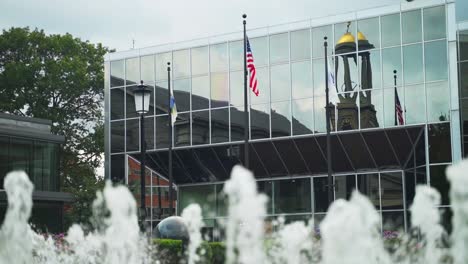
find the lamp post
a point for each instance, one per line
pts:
(142, 101)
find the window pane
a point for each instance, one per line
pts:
(300, 44)
(320, 194)
(344, 186)
(220, 125)
(199, 60)
(341, 29)
(132, 71)
(413, 64)
(440, 182)
(415, 104)
(391, 61)
(343, 64)
(368, 184)
(463, 75)
(263, 86)
(369, 28)
(439, 143)
(319, 114)
(147, 69)
(236, 55)
(438, 101)
(436, 60)
(117, 73)
(390, 30)
(21, 155)
(434, 23)
(203, 195)
(236, 88)
(317, 41)
(149, 132)
(280, 119)
(130, 102)
(133, 134)
(303, 116)
(161, 97)
(219, 90)
(260, 121)
(161, 65)
(117, 103)
(117, 136)
(200, 127)
(371, 108)
(181, 64)
(411, 25)
(389, 105)
(463, 45)
(393, 221)
(259, 48)
(200, 92)
(279, 48)
(182, 130)
(301, 80)
(4, 158)
(162, 130)
(292, 196)
(219, 57)
(319, 76)
(266, 188)
(280, 83)
(392, 190)
(370, 78)
(182, 94)
(237, 123)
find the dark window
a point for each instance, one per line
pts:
(4, 158)
(292, 196)
(320, 194)
(118, 168)
(266, 187)
(393, 221)
(280, 119)
(368, 184)
(182, 130)
(162, 131)
(21, 151)
(237, 123)
(391, 190)
(117, 136)
(220, 125)
(344, 186)
(117, 103)
(45, 166)
(133, 134)
(439, 143)
(439, 181)
(200, 127)
(260, 121)
(149, 132)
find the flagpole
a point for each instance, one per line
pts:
(169, 135)
(246, 113)
(327, 116)
(395, 97)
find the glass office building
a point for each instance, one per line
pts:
(27, 144)
(416, 50)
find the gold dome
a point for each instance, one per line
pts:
(346, 38)
(361, 36)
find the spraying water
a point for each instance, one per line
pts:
(349, 233)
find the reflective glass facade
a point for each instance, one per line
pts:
(289, 113)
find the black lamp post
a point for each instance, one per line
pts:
(142, 101)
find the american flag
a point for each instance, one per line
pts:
(252, 70)
(398, 110)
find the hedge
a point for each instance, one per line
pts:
(172, 251)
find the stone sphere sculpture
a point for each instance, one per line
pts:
(172, 227)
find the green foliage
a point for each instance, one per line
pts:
(171, 251)
(60, 78)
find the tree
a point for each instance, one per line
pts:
(60, 78)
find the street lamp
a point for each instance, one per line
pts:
(142, 101)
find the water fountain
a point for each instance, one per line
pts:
(349, 232)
